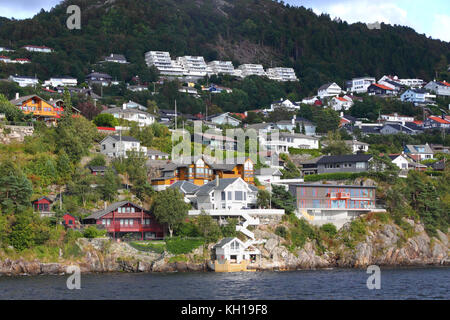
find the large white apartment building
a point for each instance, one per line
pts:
(282, 74)
(225, 67)
(162, 61)
(194, 66)
(61, 82)
(252, 70)
(24, 81)
(359, 85)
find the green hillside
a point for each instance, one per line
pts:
(243, 31)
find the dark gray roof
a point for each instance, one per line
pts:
(124, 138)
(325, 86)
(156, 152)
(223, 242)
(268, 171)
(98, 168)
(111, 207)
(223, 183)
(297, 135)
(185, 186)
(258, 126)
(345, 158)
(25, 98)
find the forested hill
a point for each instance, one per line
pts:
(243, 31)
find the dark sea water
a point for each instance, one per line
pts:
(404, 283)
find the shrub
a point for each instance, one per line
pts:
(281, 231)
(330, 229)
(92, 232)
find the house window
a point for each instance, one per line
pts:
(230, 195)
(238, 195)
(223, 195)
(360, 165)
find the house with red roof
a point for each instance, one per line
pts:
(5, 59)
(440, 88)
(380, 90)
(341, 103)
(437, 122)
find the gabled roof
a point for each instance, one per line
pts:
(186, 187)
(212, 185)
(151, 151)
(439, 120)
(44, 197)
(21, 100)
(382, 86)
(122, 138)
(326, 86)
(414, 148)
(345, 158)
(112, 207)
(225, 241)
(268, 172)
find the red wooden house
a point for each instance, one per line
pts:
(125, 218)
(70, 221)
(42, 206)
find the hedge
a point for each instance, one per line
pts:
(335, 176)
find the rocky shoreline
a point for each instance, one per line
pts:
(380, 247)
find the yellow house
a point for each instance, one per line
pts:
(41, 109)
(199, 171)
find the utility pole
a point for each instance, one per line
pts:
(176, 118)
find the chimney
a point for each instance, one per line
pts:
(217, 180)
(105, 205)
(17, 95)
(124, 106)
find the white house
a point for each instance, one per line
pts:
(282, 74)
(341, 103)
(357, 146)
(299, 141)
(118, 146)
(116, 58)
(141, 117)
(284, 103)
(329, 90)
(21, 61)
(225, 194)
(43, 49)
(61, 82)
(310, 100)
(4, 49)
(400, 161)
(24, 81)
(5, 59)
(233, 250)
(417, 96)
(419, 152)
(224, 118)
(359, 85)
(154, 154)
(440, 88)
(395, 117)
(268, 175)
